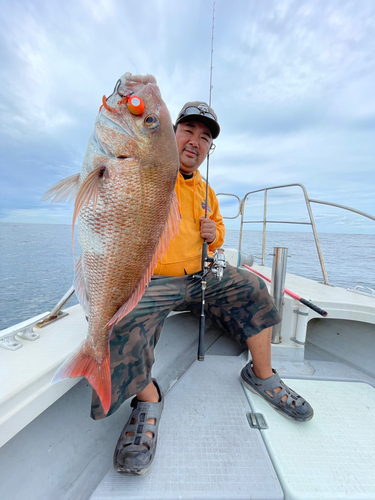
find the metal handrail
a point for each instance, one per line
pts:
(308, 201)
(239, 203)
(56, 311)
(311, 216)
(364, 214)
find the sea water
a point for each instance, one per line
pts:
(36, 263)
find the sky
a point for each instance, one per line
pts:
(293, 88)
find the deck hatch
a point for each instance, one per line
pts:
(331, 456)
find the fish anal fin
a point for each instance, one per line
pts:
(97, 373)
(63, 190)
(170, 230)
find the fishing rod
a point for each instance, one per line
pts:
(217, 263)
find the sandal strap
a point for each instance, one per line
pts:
(275, 382)
(137, 440)
(145, 410)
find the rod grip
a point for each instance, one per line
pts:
(313, 307)
(204, 254)
(202, 326)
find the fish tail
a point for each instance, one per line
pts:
(97, 373)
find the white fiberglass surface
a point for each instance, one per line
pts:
(330, 457)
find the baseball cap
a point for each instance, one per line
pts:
(200, 112)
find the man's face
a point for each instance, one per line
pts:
(193, 143)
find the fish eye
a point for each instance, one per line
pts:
(151, 121)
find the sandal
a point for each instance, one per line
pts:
(295, 407)
(135, 452)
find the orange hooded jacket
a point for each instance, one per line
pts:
(184, 255)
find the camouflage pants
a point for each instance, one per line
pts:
(239, 303)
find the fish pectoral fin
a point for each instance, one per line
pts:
(89, 190)
(80, 286)
(97, 373)
(61, 191)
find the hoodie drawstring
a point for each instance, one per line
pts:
(194, 212)
(178, 192)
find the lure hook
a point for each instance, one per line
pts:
(134, 103)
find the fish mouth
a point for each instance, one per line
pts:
(147, 89)
(129, 79)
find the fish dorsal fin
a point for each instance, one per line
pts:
(65, 189)
(80, 287)
(170, 230)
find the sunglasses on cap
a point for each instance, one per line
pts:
(192, 110)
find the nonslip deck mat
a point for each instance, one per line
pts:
(206, 448)
(332, 456)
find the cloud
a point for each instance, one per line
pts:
(292, 86)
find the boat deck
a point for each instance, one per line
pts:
(205, 438)
(206, 449)
(64, 454)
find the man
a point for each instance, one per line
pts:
(239, 302)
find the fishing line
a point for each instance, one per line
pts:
(212, 148)
(136, 69)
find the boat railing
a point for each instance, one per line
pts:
(25, 330)
(265, 221)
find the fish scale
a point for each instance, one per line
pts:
(127, 212)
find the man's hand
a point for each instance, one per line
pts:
(208, 229)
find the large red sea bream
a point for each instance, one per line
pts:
(127, 212)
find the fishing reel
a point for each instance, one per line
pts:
(218, 264)
(215, 264)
